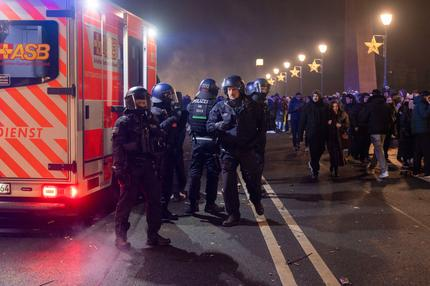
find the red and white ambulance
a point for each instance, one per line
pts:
(64, 68)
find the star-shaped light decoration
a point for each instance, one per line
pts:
(271, 81)
(373, 46)
(295, 72)
(314, 66)
(281, 76)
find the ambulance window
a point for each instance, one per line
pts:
(135, 62)
(28, 52)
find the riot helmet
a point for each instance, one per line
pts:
(208, 89)
(234, 81)
(262, 86)
(249, 89)
(164, 96)
(137, 98)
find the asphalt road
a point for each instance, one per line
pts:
(355, 227)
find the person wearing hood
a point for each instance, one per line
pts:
(421, 131)
(138, 145)
(377, 116)
(314, 121)
(239, 125)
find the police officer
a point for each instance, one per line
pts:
(138, 145)
(166, 108)
(205, 149)
(258, 91)
(238, 122)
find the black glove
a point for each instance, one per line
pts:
(121, 175)
(168, 122)
(221, 126)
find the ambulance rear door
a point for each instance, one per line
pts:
(36, 91)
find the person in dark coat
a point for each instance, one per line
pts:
(179, 171)
(404, 129)
(337, 137)
(391, 130)
(360, 135)
(314, 121)
(421, 131)
(377, 115)
(294, 109)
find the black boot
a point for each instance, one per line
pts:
(259, 209)
(157, 239)
(213, 208)
(232, 220)
(121, 243)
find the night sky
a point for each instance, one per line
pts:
(203, 38)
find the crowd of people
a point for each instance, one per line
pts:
(228, 131)
(348, 124)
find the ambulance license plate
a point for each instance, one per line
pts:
(5, 189)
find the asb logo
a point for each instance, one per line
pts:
(27, 52)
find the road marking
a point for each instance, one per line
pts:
(281, 265)
(325, 273)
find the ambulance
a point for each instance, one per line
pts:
(64, 68)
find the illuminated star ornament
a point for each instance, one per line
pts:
(281, 77)
(373, 46)
(295, 72)
(314, 66)
(271, 81)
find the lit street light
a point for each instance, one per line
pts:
(287, 65)
(259, 63)
(268, 76)
(276, 71)
(323, 49)
(301, 58)
(386, 19)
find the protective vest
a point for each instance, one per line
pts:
(199, 112)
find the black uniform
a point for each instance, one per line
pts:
(138, 146)
(204, 153)
(240, 127)
(170, 124)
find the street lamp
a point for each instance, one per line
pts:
(386, 19)
(268, 76)
(323, 49)
(287, 65)
(301, 58)
(259, 62)
(276, 71)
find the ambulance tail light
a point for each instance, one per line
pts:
(61, 191)
(73, 192)
(50, 191)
